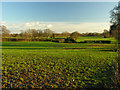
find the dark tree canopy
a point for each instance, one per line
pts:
(115, 15)
(115, 20)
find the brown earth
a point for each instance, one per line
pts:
(14, 44)
(97, 45)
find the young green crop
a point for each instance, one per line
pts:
(53, 65)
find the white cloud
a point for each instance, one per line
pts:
(81, 27)
(49, 26)
(3, 23)
(37, 23)
(59, 27)
(27, 24)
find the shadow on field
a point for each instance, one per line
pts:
(109, 50)
(48, 48)
(104, 78)
(72, 48)
(27, 48)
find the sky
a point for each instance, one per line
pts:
(57, 16)
(59, 0)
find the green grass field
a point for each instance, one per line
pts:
(96, 39)
(55, 65)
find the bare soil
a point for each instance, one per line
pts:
(97, 45)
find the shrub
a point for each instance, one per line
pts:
(70, 40)
(74, 35)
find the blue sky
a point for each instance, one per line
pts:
(56, 14)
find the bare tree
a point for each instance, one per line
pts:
(39, 33)
(48, 32)
(5, 31)
(106, 34)
(65, 34)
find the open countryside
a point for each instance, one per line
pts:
(50, 64)
(37, 58)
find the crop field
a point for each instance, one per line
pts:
(56, 65)
(96, 39)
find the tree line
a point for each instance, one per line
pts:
(115, 21)
(115, 32)
(33, 33)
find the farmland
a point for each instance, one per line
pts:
(57, 65)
